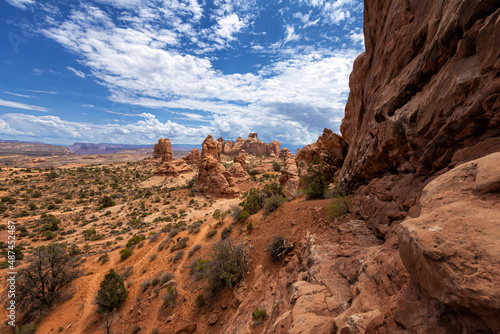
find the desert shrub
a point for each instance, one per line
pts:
(252, 203)
(166, 277)
(226, 232)
(26, 329)
(211, 233)
(244, 216)
(170, 297)
(200, 300)
(277, 247)
(125, 253)
(315, 181)
(259, 314)
(174, 232)
(49, 235)
(236, 212)
(39, 284)
(17, 250)
(112, 293)
(195, 227)
(103, 258)
(106, 202)
(194, 249)
(136, 329)
(153, 257)
(145, 285)
(182, 243)
(198, 267)
(339, 207)
(226, 265)
(272, 203)
(178, 256)
(135, 240)
(249, 226)
(220, 215)
(154, 238)
(87, 234)
(277, 166)
(162, 244)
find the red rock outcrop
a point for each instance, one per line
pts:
(451, 250)
(173, 168)
(424, 97)
(285, 154)
(289, 177)
(426, 87)
(329, 148)
(239, 169)
(251, 145)
(212, 175)
(163, 150)
(193, 157)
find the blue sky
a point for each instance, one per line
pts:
(132, 71)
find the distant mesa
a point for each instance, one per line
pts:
(169, 166)
(103, 148)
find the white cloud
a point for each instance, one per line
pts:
(76, 72)
(228, 26)
(21, 4)
(40, 91)
(18, 105)
(20, 95)
(145, 131)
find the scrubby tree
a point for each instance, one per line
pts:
(50, 269)
(112, 293)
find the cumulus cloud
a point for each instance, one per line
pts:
(139, 53)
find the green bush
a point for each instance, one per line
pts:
(125, 254)
(182, 243)
(170, 297)
(112, 293)
(226, 232)
(272, 203)
(198, 267)
(249, 226)
(200, 300)
(259, 314)
(226, 265)
(135, 240)
(106, 202)
(277, 166)
(315, 181)
(339, 207)
(26, 329)
(211, 233)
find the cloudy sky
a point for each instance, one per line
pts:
(132, 71)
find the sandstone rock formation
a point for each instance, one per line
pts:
(289, 178)
(285, 154)
(163, 150)
(212, 175)
(424, 97)
(193, 157)
(239, 169)
(451, 250)
(173, 168)
(251, 145)
(329, 148)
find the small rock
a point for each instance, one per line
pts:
(212, 319)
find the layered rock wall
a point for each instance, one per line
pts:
(425, 97)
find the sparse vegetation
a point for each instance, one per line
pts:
(278, 248)
(112, 293)
(259, 314)
(339, 207)
(316, 180)
(125, 253)
(39, 285)
(170, 297)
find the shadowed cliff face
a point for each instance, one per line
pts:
(425, 97)
(426, 93)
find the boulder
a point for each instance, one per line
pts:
(451, 250)
(163, 150)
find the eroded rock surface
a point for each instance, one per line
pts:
(213, 177)
(451, 250)
(193, 157)
(163, 150)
